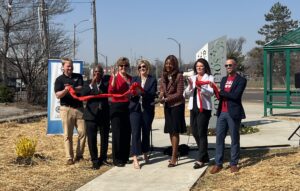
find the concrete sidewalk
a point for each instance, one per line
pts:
(156, 176)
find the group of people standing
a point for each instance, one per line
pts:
(131, 116)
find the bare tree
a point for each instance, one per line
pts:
(234, 49)
(25, 49)
(254, 62)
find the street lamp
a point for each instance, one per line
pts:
(74, 36)
(156, 68)
(179, 47)
(105, 57)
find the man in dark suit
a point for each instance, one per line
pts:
(96, 116)
(230, 113)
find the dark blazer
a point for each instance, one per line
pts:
(147, 98)
(92, 109)
(234, 97)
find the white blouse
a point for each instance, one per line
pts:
(206, 92)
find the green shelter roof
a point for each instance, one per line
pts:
(290, 39)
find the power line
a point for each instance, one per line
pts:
(79, 2)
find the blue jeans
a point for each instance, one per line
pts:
(224, 123)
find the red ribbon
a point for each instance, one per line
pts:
(134, 89)
(214, 87)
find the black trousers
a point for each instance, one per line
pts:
(92, 128)
(199, 124)
(121, 131)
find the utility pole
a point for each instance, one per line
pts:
(95, 33)
(74, 41)
(44, 24)
(4, 50)
(156, 68)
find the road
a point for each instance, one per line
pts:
(254, 95)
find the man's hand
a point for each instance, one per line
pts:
(94, 80)
(162, 100)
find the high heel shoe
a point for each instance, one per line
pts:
(173, 164)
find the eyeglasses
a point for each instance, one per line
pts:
(142, 66)
(228, 65)
(125, 65)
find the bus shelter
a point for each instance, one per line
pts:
(282, 73)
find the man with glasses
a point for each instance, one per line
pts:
(96, 116)
(230, 113)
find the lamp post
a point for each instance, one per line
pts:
(74, 36)
(179, 48)
(105, 57)
(156, 68)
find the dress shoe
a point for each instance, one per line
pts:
(69, 162)
(106, 163)
(234, 168)
(78, 158)
(95, 166)
(215, 169)
(119, 164)
(146, 159)
(198, 165)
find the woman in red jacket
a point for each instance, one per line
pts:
(119, 113)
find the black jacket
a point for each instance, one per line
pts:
(147, 98)
(98, 105)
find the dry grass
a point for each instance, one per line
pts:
(49, 171)
(159, 111)
(260, 170)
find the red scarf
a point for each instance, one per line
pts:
(134, 89)
(201, 83)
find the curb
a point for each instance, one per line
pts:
(24, 118)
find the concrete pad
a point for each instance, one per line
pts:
(155, 176)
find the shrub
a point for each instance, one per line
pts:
(25, 147)
(243, 130)
(6, 94)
